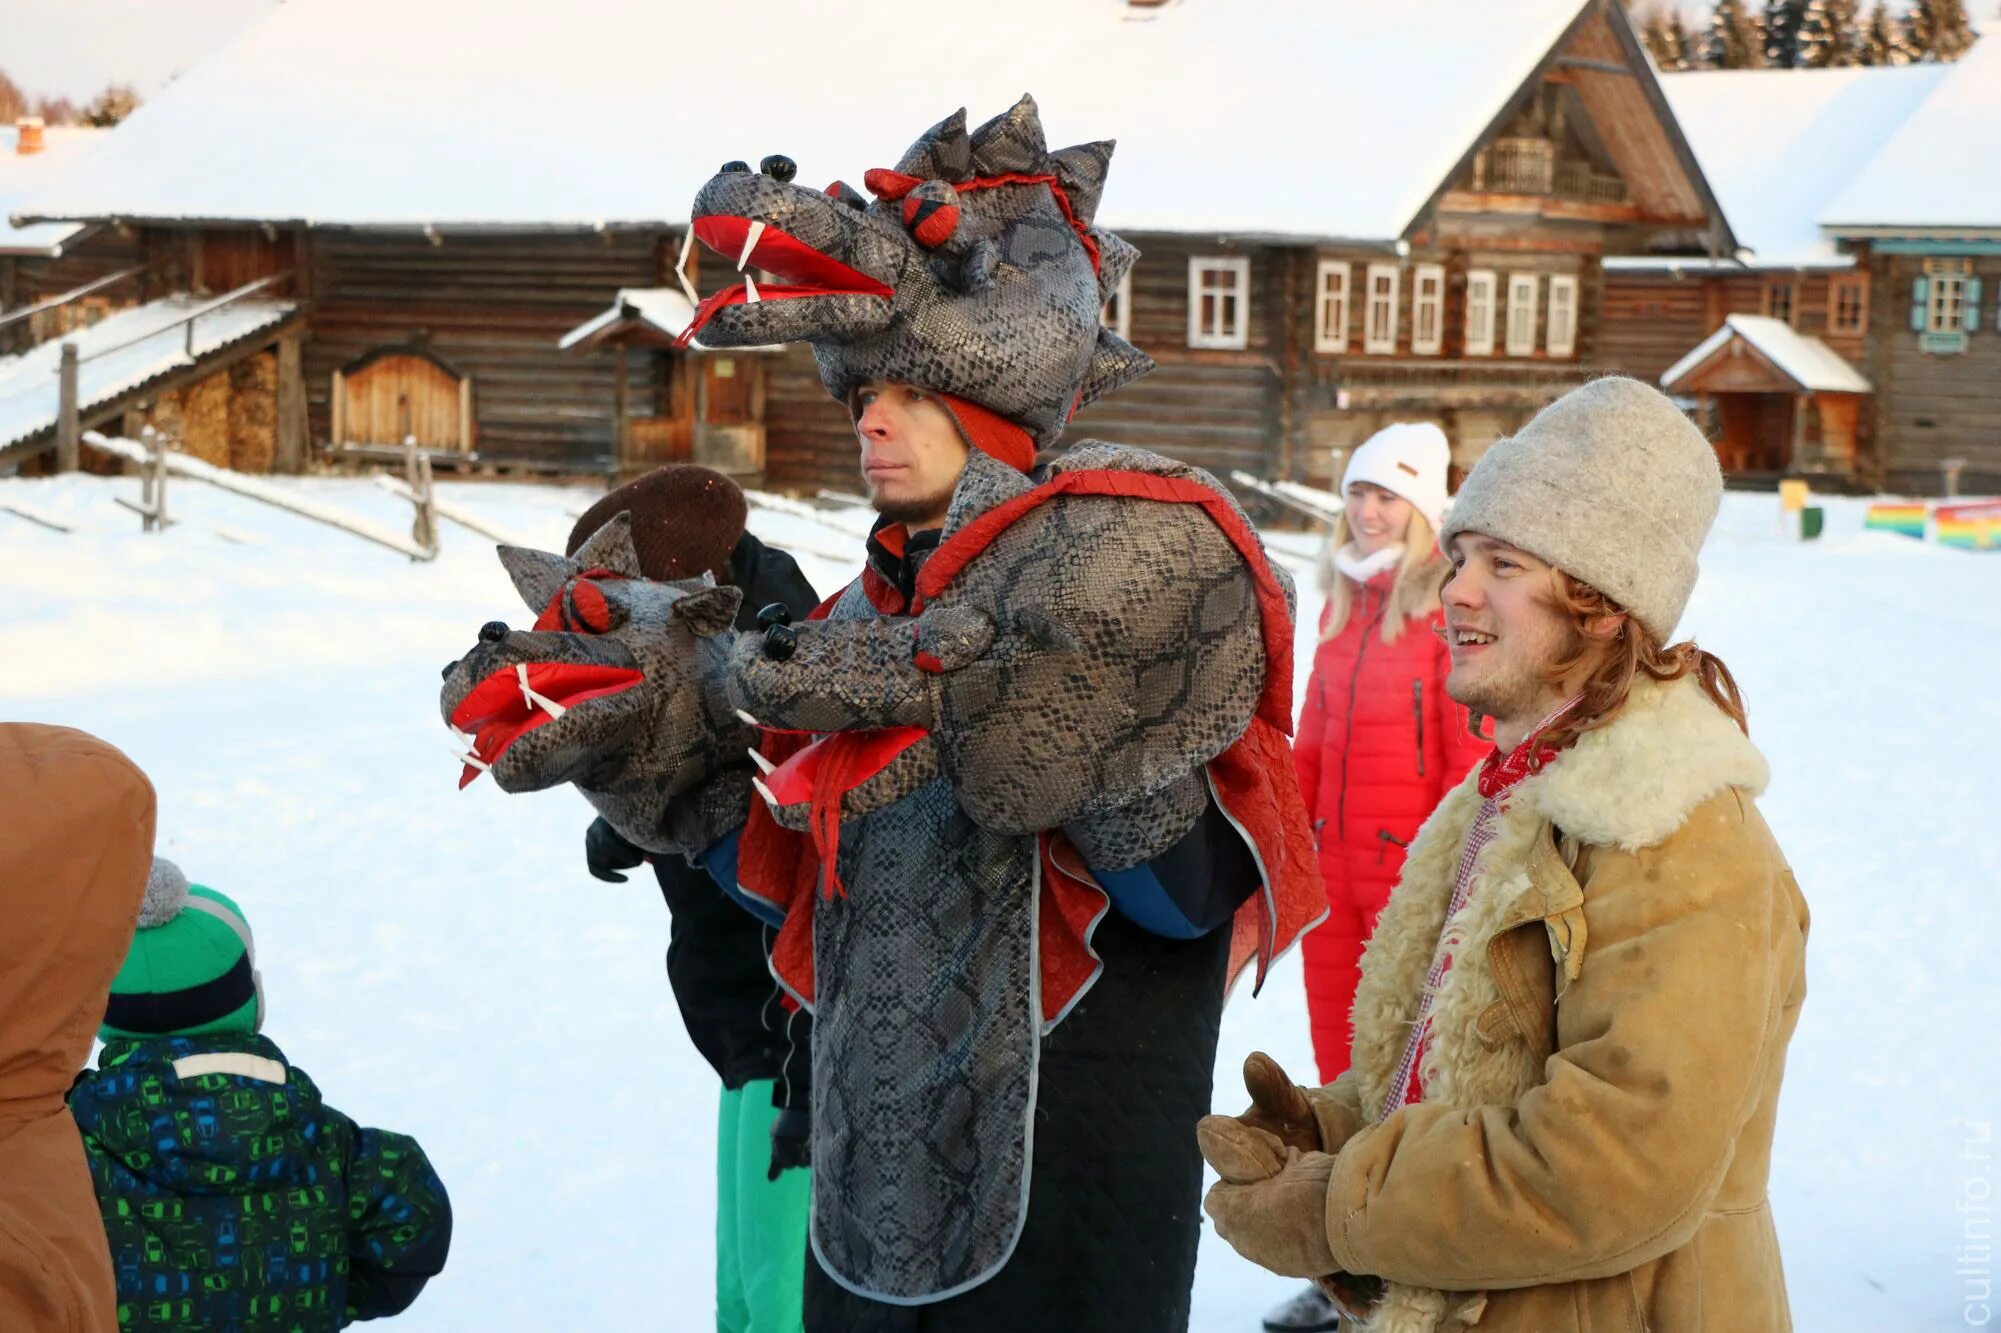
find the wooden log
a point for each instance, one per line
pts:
(291, 452)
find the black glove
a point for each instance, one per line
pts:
(607, 853)
(791, 1140)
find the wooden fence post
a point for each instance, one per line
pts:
(157, 465)
(417, 472)
(69, 427)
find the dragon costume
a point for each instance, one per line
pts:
(979, 762)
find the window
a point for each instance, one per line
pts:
(1848, 303)
(1219, 302)
(1562, 335)
(1480, 312)
(1945, 309)
(1118, 312)
(1779, 301)
(1427, 309)
(1521, 313)
(1379, 327)
(1330, 320)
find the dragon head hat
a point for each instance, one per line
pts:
(976, 271)
(616, 688)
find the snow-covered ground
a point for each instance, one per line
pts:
(443, 964)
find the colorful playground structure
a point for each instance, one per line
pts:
(1971, 526)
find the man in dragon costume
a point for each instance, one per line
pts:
(1025, 802)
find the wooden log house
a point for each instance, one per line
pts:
(1346, 217)
(1850, 339)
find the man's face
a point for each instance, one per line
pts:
(911, 452)
(1504, 634)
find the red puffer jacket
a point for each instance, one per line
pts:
(1379, 743)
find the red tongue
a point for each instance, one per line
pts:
(498, 714)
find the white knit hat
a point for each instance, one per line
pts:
(1609, 483)
(1407, 458)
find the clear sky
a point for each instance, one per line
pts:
(72, 48)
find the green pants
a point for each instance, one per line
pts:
(760, 1224)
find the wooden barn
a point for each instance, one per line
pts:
(1373, 213)
(1847, 340)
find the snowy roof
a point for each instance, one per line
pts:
(1806, 361)
(122, 352)
(21, 177)
(1938, 170)
(662, 309)
(1249, 117)
(1777, 145)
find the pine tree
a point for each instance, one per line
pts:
(1782, 22)
(1881, 40)
(1680, 41)
(1937, 30)
(115, 103)
(1830, 36)
(1654, 36)
(13, 102)
(1734, 42)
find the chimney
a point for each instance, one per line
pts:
(29, 135)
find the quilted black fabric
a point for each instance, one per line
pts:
(1115, 1196)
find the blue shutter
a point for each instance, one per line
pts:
(1921, 291)
(1969, 310)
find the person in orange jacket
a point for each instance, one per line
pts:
(75, 845)
(1379, 740)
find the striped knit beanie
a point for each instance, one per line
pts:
(191, 968)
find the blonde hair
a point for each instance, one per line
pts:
(1414, 594)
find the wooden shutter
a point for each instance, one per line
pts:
(1921, 291)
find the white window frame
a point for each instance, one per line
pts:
(1522, 312)
(1561, 340)
(1480, 311)
(1233, 335)
(1330, 308)
(1385, 343)
(1431, 343)
(1117, 313)
(1945, 307)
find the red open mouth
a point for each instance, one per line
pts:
(499, 711)
(803, 270)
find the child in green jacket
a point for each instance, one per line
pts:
(233, 1197)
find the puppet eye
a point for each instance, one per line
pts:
(930, 220)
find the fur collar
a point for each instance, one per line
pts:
(1632, 783)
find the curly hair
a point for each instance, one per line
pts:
(1632, 651)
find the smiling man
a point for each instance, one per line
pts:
(1572, 1019)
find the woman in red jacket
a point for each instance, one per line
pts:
(1379, 741)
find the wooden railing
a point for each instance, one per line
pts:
(1530, 167)
(69, 416)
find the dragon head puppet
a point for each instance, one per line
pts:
(616, 689)
(975, 271)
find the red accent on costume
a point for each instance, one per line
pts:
(886, 184)
(991, 433)
(1253, 782)
(929, 662)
